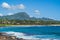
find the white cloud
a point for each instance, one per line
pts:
(37, 11)
(6, 5)
(31, 16)
(21, 6)
(10, 13)
(1, 14)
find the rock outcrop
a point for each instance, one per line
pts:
(5, 37)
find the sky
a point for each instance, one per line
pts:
(34, 8)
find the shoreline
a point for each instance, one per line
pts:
(36, 25)
(9, 37)
(32, 25)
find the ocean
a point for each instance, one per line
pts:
(33, 32)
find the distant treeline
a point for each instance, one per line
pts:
(28, 22)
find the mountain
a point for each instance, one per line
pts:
(22, 16)
(46, 19)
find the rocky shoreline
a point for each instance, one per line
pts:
(5, 37)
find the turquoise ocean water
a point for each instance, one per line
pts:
(32, 31)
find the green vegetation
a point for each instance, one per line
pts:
(23, 18)
(5, 22)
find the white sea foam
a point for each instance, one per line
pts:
(15, 33)
(20, 35)
(24, 36)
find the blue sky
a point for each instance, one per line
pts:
(36, 8)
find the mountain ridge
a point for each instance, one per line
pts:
(22, 16)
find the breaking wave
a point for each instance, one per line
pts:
(25, 36)
(21, 35)
(44, 33)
